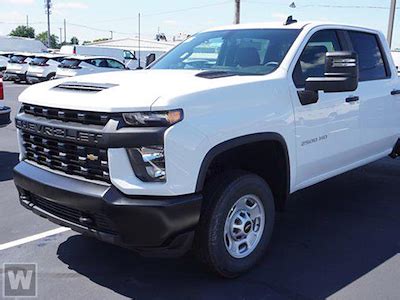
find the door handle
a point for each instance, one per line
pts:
(352, 99)
(395, 92)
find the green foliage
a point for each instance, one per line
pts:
(101, 40)
(74, 41)
(53, 39)
(23, 31)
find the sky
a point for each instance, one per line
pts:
(91, 19)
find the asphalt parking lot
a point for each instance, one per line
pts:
(337, 240)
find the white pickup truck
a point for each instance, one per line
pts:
(199, 150)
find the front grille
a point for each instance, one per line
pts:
(100, 221)
(70, 158)
(67, 115)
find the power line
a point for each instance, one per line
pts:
(321, 5)
(167, 12)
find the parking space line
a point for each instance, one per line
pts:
(33, 238)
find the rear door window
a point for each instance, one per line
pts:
(370, 56)
(18, 59)
(70, 63)
(98, 62)
(39, 61)
(115, 64)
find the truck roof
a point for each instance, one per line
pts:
(281, 25)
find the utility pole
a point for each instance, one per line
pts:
(139, 66)
(65, 31)
(112, 34)
(237, 12)
(47, 4)
(27, 21)
(60, 35)
(391, 22)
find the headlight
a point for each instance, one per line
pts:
(153, 119)
(148, 163)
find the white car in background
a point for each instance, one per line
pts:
(4, 58)
(82, 65)
(129, 58)
(18, 66)
(396, 58)
(43, 67)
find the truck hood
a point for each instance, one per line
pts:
(121, 91)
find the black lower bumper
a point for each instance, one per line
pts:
(4, 116)
(147, 224)
(35, 79)
(15, 76)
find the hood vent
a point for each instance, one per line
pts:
(85, 86)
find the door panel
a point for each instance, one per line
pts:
(378, 116)
(327, 132)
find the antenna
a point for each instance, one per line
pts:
(290, 20)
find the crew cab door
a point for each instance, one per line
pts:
(327, 132)
(379, 109)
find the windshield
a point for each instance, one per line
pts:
(247, 51)
(70, 63)
(39, 61)
(17, 59)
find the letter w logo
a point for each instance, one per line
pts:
(18, 278)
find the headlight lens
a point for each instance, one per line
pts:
(148, 163)
(153, 119)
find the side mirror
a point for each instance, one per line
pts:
(150, 58)
(341, 74)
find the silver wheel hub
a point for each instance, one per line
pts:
(244, 226)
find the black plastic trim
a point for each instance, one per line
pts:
(248, 139)
(109, 136)
(5, 116)
(138, 165)
(141, 221)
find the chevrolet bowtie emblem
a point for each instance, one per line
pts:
(92, 157)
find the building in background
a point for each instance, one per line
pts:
(20, 44)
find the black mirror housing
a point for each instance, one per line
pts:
(150, 58)
(341, 74)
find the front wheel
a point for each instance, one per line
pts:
(236, 223)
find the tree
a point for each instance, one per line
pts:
(74, 40)
(23, 31)
(100, 40)
(53, 39)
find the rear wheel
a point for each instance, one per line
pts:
(236, 223)
(51, 76)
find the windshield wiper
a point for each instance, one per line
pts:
(211, 74)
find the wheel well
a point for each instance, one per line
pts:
(266, 158)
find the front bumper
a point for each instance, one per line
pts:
(148, 224)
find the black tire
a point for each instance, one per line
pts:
(220, 195)
(51, 76)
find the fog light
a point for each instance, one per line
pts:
(148, 163)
